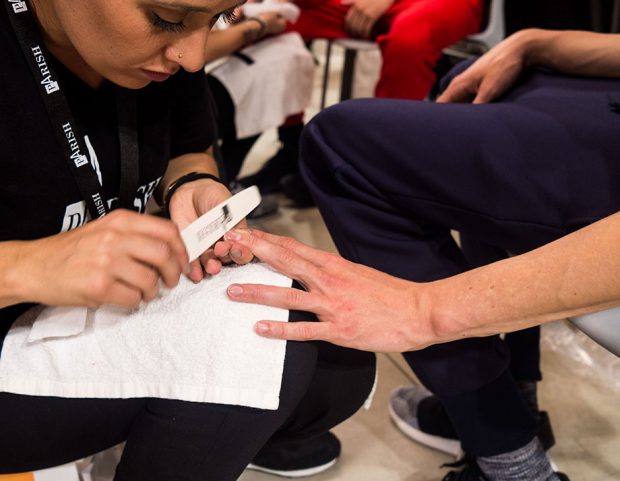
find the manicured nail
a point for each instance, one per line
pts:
(235, 254)
(261, 328)
(232, 236)
(235, 290)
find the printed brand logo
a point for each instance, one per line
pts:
(18, 6)
(78, 158)
(77, 214)
(50, 84)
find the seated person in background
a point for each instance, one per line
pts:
(410, 33)
(534, 162)
(265, 82)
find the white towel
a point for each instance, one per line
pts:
(277, 84)
(193, 344)
(288, 10)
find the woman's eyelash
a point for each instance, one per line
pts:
(166, 26)
(229, 16)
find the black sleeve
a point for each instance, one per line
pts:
(192, 114)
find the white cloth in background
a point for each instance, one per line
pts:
(276, 85)
(288, 10)
(193, 344)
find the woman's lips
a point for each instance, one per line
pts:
(156, 76)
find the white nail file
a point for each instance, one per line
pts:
(210, 227)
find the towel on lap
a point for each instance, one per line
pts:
(193, 344)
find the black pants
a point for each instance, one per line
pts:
(181, 441)
(393, 177)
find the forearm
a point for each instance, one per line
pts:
(198, 162)
(573, 52)
(577, 274)
(226, 42)
(11, 283)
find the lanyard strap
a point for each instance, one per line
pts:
(126, 111)
(63, 124)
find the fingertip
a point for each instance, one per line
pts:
(234, 290)
(262, 328)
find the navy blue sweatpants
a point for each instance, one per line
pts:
(393, 177)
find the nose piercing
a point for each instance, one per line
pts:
(180, 56)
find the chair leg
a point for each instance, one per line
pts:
(328, 54)
(348, 70)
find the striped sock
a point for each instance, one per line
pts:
(529, 463)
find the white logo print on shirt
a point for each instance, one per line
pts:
(77, 214)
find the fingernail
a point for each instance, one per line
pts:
(187, 269)
(261, 328)
(235, 290)
(235, 254)
(232, 236)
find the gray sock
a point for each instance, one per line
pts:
(529, 463)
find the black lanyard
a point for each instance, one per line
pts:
(66, 130)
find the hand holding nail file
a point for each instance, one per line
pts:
(205, 231)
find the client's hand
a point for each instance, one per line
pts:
(358, 307)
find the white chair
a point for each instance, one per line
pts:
(477, 44)
(603, 327)
(351, 48)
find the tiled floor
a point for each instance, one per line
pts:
(584, 409)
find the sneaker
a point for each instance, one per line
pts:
(298, 459)
(411, 405)
(471, 472)
(403, 409)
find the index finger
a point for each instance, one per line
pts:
(310, 254)
(455, 93)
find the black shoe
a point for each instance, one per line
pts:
(295, 189)
(470, 471)
(298, 459)
(267, 179)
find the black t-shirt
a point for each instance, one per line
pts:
(38, 194)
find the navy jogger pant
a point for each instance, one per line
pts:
(393, 177)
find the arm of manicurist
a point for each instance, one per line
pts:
(117, 259)
(569, 52)
(366, 309)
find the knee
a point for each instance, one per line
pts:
(328, 133)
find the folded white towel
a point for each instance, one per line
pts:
(193, 344)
